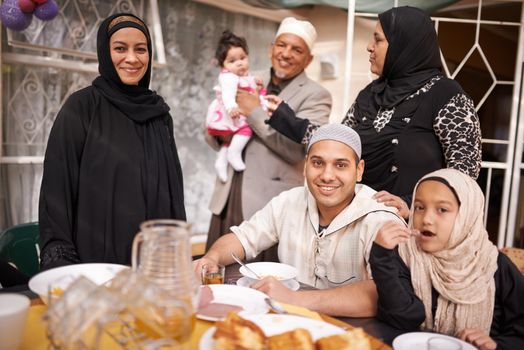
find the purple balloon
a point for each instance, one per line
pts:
(46, 11)
(12, 17)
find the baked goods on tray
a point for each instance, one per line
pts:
(237, 333)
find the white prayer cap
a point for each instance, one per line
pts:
(340, 133)
(302, 29)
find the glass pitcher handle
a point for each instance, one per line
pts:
(135, 252)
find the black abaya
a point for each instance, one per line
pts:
(111, 163)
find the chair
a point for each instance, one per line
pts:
(19, 246)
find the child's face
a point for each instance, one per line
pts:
(237, 61)
(434, 211)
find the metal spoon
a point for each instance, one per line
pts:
(275, 306)
(245, 266)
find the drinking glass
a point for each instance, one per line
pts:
(13, 316)
(213, 274)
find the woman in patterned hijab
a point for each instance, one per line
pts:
(411, 119)
(449, 277)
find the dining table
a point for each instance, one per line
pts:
(380, 334)
(375, 328)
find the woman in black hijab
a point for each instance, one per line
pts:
(411, 120)
(111, 160)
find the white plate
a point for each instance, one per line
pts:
(418, 340)
(62, 276)
(267, 268)
(291, 284)
(273, 324)
(251, 300)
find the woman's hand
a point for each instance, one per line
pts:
(275, 289)
(392, 234)
(273, 102)
(393, 201)
(260, 83)
(477, 338)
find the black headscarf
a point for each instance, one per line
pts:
(163, 184)
(412, 58)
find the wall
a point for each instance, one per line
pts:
(331, 24)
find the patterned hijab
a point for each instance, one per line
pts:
(462, 273)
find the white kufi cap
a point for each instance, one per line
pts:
(302, 29)
(340, 133)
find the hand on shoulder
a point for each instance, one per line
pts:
(393, 201)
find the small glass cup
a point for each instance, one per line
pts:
(213, 274)
(443, 343)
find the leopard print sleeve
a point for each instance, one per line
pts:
(458, 130)
(350, 119)
(309, 132)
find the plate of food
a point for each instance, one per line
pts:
(56, 281)
(280, 271)
(247, 282)
(273, 332)
(218, 300)
(419, 340)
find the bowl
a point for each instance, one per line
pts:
(281, 272)
(56, 280)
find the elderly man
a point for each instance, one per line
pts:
(325, 229)
(273, 162)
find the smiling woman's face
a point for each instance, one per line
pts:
(377, 48)
(129, 53)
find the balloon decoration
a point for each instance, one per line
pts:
(18, 14)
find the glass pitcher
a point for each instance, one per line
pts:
(162, 252)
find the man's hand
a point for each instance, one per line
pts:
(477, 338)
(247, 102)
(197, 265)
(392, 234)
(275, 289)
(393, 201)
